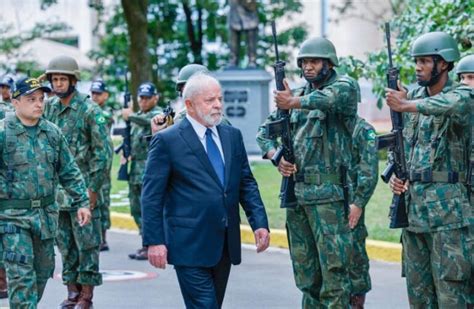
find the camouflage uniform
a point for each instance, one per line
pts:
(141, 130)
(318, 233)
(104, 194)
(364, 172)
(435, 249)
(28, 213)
(5, 107)
(84, 127)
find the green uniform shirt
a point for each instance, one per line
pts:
(322, 137)
(437, 141)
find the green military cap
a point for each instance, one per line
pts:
(187, 71)
(63, 65)
(317, 48)
(436, 43)
(466, 65)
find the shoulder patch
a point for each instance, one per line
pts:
(100, 119)
(371, 135)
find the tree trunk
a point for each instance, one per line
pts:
(195, 39)
(135, 12)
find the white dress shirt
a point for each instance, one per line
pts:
(201, 133)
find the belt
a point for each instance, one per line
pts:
(436, 176)
(318, 179)
(27, 204)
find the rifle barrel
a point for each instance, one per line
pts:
(275, 41)
(389, 47)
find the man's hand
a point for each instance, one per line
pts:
(397, 186)
(262, 239)
(83, 216)
(397, 99)
(284, 99)
(126, 112)
(354, 215)
(92, 199)
(158, 123)
(285, 168)
(158, 256)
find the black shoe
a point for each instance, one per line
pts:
(3, 294)
(133, 255)
(104, 247)
(142, 255)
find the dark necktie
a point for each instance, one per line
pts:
(214, 156)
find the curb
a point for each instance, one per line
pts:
(376, 249)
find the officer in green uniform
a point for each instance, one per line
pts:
(158, 123)
(437, 132)
(323, 115)
(34, 158)
(100, 95)
(85, 129)
(141, 130)
(364, 173)
(465, 72)
(6, 84)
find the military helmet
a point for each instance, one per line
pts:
(7, 81)
(436, 43)
(63, 65)
(317, 48)
(466, 65)
(188, 70)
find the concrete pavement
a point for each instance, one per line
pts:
(262, 281)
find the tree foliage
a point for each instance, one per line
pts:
(418, 16)
(187, 31)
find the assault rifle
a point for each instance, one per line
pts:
(281, 128)
(126, 146)
(394, 142)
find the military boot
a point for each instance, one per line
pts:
(104, 246)
(142, 254)
(85, 299)
(357, 301)
(73, 292)
(3, 283)
(470, 306)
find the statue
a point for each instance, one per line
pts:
(243, 18)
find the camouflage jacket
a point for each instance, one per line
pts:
(4, 108)
(38, 163)
(437, 152)
(109, 117)
(365, 162)
(85, 130)
(140, 135)
(322, 137)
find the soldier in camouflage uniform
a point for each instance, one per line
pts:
(364, 173)
(34, 158)
(85, 129)
(322, 120)
(437, 132)
(158, 123)
(99, 95)
(6, 85)
(465, 72)
(140, 133)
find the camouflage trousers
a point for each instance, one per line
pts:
(359, 267)
(320, 245)
(437, 268)
(79, 247)
(104, 206)
(470, 294)
(134, 195)
(29, 263)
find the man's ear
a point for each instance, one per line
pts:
(189, 104)
(107, 96)
(443, 65)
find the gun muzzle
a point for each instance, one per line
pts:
(387, 172)
(277, 156)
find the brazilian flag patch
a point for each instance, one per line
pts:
(371, 136)
(100, 119)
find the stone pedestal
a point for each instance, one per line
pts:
(245, 98)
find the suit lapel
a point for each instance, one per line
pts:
(224, 135)
(190, 137)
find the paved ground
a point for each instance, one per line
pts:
(261, 281)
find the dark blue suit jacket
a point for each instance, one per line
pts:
(184, 205)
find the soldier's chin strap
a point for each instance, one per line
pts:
(63, 95)
(435, 74)
(321, 76)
